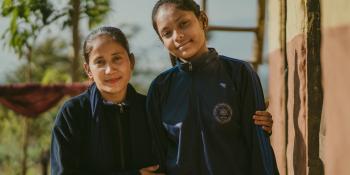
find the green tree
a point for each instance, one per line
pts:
(30, 17)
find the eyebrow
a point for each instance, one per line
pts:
(97, 58)
(176, 20)
(116, 53)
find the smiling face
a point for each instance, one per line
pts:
(181, 32)
(110, 67)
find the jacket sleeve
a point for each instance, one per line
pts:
(262, 156)
(159, 139)
(65, 143)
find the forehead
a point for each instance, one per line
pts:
(102, 40)
(168, 13)
(105, 44)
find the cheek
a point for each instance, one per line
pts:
(96, 73)
(126, 69)
(168, 44)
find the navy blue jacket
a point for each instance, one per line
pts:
(200, 114)
(91, 136)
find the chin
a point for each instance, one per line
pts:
(188, 55)
(185, 55)
(112, 90)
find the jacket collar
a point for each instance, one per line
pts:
(198, 63)
(96, 100)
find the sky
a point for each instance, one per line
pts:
(149, 52)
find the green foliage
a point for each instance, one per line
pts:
(28, 17)
(10, 135)
(95, 10)
(52, 65)
(11, 139)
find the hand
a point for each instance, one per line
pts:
(264, 119)
(150, 170)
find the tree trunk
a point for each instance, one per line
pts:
(27, 121)
(26, 126)
(44, 161)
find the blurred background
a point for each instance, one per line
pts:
(299, 48)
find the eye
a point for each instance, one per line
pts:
(166, 34)
(184, 24)
(99, 62)
(116, 59)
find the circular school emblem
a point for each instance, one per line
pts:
(222, 113)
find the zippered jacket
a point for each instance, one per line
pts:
(200, 114)
(92, 136)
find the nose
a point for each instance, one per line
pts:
(110, 68)
(179, 35)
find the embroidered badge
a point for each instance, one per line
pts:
(222, 113)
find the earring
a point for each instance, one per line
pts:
(91, 79)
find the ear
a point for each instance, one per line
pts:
(88, 71)
(204, 20)
(132, 60)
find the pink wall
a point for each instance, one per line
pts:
(291, 148)
(335, 127)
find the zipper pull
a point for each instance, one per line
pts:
(121, 107)
(190, 66)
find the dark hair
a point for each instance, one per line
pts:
(187, 5)
(115, 33)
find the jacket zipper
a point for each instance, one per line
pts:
(190, 66)
(122, 160)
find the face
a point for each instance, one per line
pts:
(182, 33)
(110, 67)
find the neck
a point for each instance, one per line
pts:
(114, 97)
(195, 57)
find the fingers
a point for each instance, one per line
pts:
(263, 119)
(263, 113)
(263, 116)
(151, 168)
(264, 123)
(267, 129)
(266, 126)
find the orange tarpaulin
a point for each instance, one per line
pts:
(31, 100)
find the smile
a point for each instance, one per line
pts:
(182, 45)
(113, 80)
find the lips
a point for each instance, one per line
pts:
(183, 45)
(113, 80)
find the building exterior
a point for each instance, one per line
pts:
(309, 85)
